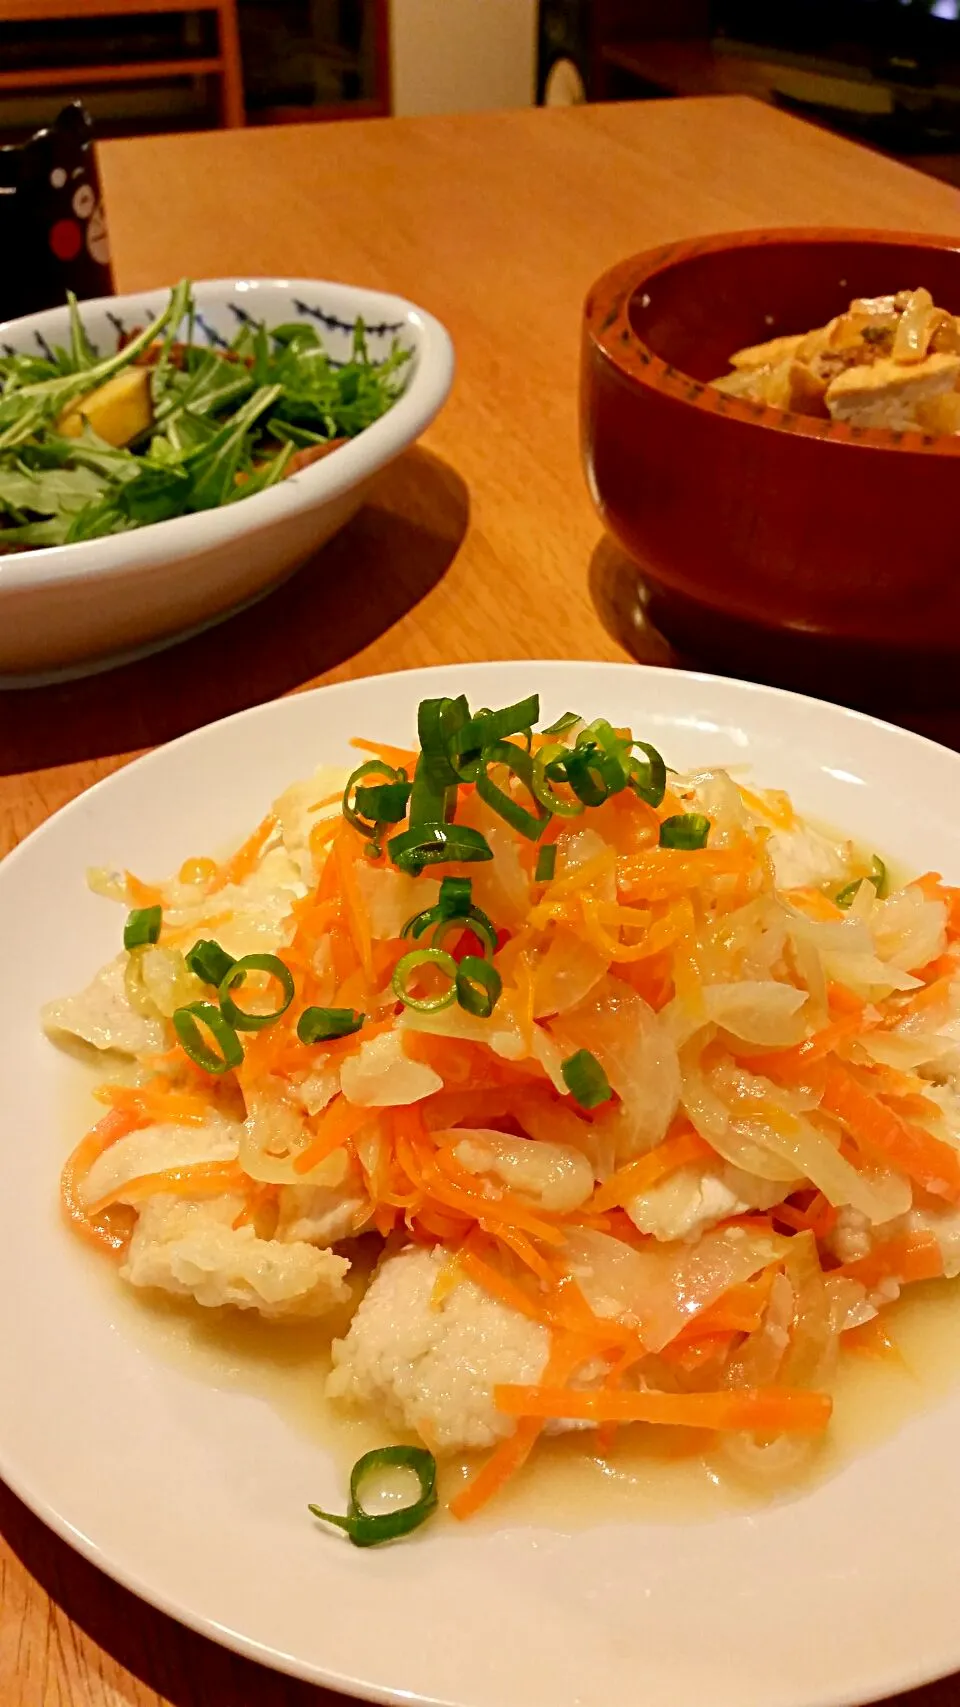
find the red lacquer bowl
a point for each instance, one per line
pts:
(745, 519)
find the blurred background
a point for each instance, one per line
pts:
(884, 71)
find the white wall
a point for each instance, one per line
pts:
(458, 56)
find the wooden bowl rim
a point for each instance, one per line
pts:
(607, 323)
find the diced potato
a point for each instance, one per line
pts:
(118, 411)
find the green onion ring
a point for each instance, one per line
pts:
(319, 1025)
(411, 963)
(649, 782)
(142, 928)
(192, 1043)
(478, 986)
(685, 830)
(209, 962)
(546, 864)
(585, 1079)
(385, 803)
(238, 1017)
(368, 1529)
(437, 844)
(373, 767)
(567, 721)
(520, 765)
(540, 784)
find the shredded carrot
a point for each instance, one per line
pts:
(934, 1164)
(247, 857)
(142, 894)
(871, 1339)
(773, 1410)
(157, 1101)
(814, 903)
(107, 1131)
(331, 1129)
(356, 914)
(198, 1179)
(909, 1257)
(401, 758)
(674, 1152)
(511, 1455)
(499, 1286)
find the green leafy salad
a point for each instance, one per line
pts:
(169, 425)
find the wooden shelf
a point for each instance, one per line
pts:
(82, 76)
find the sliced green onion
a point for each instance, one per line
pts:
(877, 875)
(438, 724)
(192, 1042)
(385, 803)
(350, 805)
(430, 801)
(586, 1080)
(410, 964)
(469, 918)
(456, 895)
(239, 1017)
(319, 1025)
(437, 844)
(568, 720)
(548, 767)
(489, 727)
(209, 962)
(594, 774)
(546, 864)
(685, 830)
(475, 921)
(478, 986)
(368, 1529)
(650, 780)
(520, 765)
(142, 927)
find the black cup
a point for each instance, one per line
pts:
(53, 234)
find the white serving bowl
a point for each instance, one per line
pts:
(68, 608)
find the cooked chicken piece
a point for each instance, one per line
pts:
(888, 394)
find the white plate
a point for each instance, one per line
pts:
(195, 1497)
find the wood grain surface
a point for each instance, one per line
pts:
(480, 543)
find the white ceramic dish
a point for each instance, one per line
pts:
(67, 607)
(194, 1496)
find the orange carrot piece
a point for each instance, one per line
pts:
(934, 1164)
(871, 1339)
(142, 894)
(358, 923)
(499, 1286)
(399, 757)
(635, 1177)
(198, 1179)
(114, 1125)
(512, 1453)
(247, 857)
(909, 1257)
(773, 1410)
(333, 1128)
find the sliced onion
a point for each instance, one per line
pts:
(665, 1288)
(501, 1033)
(566, 974)
(759, 1011)
(392, 897)
(637, 1055)
(382, 1075)
(909, 930)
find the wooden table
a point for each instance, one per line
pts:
(481, 544)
